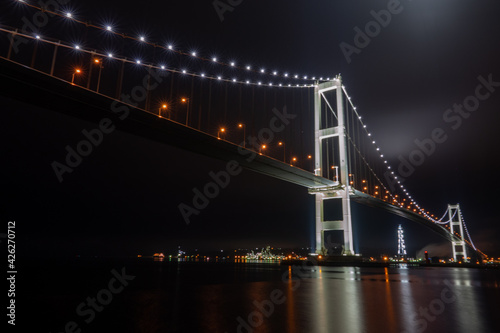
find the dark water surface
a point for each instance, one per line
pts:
(56, 296)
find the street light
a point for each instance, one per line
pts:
(244, 131)
(164, 106)
(282, 144)
(186, 100)
(77, 71)
(262, 148)
(294, 159)
(221, 130)
(336, 172)
(98, 62)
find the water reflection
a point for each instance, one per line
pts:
(218, 297)
(391, 316)
(291, 303)
(407, 303)
(464, 286)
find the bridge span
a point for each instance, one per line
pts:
(38, 88)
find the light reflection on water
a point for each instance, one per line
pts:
(201, 297)
(376, 300)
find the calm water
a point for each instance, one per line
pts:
(223, 297)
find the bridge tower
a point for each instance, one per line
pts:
(456, 225)
(328, 100)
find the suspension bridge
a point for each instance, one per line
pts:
(252, 115)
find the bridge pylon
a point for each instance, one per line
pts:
(330, 142)
(457, 226)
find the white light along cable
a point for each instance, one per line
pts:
(68, 15)
(467, 231)
(139, 62)
(405, 192)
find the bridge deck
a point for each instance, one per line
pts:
(368, 200)
(37, 88)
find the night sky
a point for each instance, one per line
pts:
(123, 199)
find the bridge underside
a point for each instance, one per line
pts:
(37, 88)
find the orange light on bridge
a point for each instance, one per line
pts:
(77, 71)
(221, 130)
(241, 125)
(164, 106)
(282, 144)
(309, 156)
